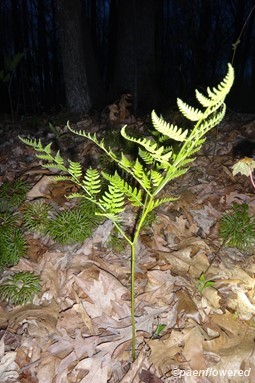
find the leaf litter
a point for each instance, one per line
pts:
(79, 330)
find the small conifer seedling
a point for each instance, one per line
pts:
(237, 228)
(155, 165)
(19, 288)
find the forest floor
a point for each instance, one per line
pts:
(78, 328)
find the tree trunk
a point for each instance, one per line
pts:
(74, 64)
(135, 68)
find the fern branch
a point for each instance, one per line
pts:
(91, 182)
(134, 195)
(123, 162)
(171, 131)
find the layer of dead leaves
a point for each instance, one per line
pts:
(78, 329)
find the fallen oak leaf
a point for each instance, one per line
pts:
(147, 377)
(102, 292)
(47, 314)
(186, 307)
(193, 348)
(166, 351)
(99, 368)
(72, 349)
(141, 363)
(8, 367)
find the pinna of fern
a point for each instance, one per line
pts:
(155, 165)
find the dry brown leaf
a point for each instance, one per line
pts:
(98, 367)
(102, 292)
(235, 196)
(186, 308)
(72, 348)
(205, 217)
(212, 298)
(193, 348)
(47, 315)
(133, 374)
(125, 104)
(113, 113)
(233, 333)
(147, 377)
(8, 367)
(41, 188)
(47, 368)
(48, 187)
(233, 276)
(147, 323)
(165, 352)
(79, 309)
(183, 229)
(190, 259)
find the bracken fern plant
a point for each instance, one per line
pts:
(155, 165)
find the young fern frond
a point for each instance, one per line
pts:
(171, 131)
(75, 169)
(220, 93)
(213, 102)
(202, 127)
(113, 199)
(125, 163)
(202, 99)
(160, 201)
(134, 195)
(151, 146)
(45, 154)
(189, 112)
(36, 145)
(156, 178)
(154, 167)
(158, 153)
(140, 173)
(93, 138)
(146, 157)
(92, 182)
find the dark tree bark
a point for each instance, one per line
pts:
(91, 45)
(74, 61)
(43, 55)
(135, 52)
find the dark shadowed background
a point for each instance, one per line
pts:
(83, 54)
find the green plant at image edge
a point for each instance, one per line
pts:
(12, 195)
(36, 217)
(66, 227)
(237, 228)
(13, 246)
(153, 168)
(204, 283)
(72, 226)
(20, 288)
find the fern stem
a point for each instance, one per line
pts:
(123, 233)
(147, 208)
(133, 257)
